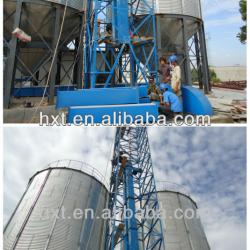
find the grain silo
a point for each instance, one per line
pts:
(182, 226)
(29, 62)
(180, 31)
(179, 28)
(52, 212)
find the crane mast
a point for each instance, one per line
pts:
(135, 217)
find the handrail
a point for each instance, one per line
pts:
(81, 166)
(170, 186)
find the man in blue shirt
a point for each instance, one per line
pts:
(171, 103)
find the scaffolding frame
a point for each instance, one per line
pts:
(132, 185)
(118, 47)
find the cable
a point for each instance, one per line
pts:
(75, 60)
(53, 59)
(78, 49)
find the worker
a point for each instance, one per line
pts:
(170, 105)
(154, 92)
(164, 70)
(175, 76)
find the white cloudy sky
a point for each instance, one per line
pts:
(209, 162)
(222, 23)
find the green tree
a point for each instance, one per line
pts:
(212, 75)
(242, 35)
(194, 75)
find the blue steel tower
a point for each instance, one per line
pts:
(120, 43)
(135, 219)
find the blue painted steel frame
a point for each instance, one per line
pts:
(132, 51)
(37, 91)
(120, 20)
(131, 237)
(115, 114)
(98, 96)
(133, 142)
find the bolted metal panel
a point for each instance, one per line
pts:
(44, 218)
(181, 232)
(178, 22)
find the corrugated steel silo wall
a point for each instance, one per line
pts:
(38, 20)
(171, 37)
(176, 7)
(169, 15)
(181, 7)
(77, 4)
(36, 223)
(181, 232)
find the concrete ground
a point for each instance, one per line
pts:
(18, 113)
(229, 105)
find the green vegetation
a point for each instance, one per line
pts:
(194, 75)
(242, 35)
(212, 75)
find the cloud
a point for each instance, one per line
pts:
(217, 7)
(28, 150)
(224, 21)
(208, 163)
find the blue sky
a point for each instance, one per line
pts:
(209, 163)
(222, 23)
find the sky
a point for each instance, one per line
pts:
(222, 21)
(208, 163)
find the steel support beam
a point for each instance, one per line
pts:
(132, 70)
(205, 68)
(79, 56)
(187, 68)
(53, 74)
(58, 70)
(131, 238)
(36, 80)
(198, 60)
(10, 71)
(75, 63)
(87, 34)
(158, 37)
